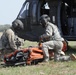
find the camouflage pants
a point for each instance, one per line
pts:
(4, 52)
(55, 45)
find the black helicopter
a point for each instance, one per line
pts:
(61, 12)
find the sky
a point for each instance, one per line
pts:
(9, 10)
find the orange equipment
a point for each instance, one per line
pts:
(31, 55)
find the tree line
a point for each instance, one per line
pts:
(4, 27)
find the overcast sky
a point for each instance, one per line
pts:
(9, 10)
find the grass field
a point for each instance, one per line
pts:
(50, 68)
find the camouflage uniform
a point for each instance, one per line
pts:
(55, 41)
(9, 39)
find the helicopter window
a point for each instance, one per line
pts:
(45, 9)
(46, 6)
(24, 12)
(34, 12)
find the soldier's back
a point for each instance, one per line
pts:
(9, 32)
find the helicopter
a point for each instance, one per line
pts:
(62, 13)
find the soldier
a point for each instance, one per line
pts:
(10, 40)
(54, 40)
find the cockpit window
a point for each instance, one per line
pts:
(46, 6)
(24, 11)
(45, 9)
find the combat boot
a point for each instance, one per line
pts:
(46, 59)
(72, 57)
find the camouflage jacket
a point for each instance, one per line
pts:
(10, 40)
(52, 32)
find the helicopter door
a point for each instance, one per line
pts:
(68, 19)
(33, 12)
(64, 19)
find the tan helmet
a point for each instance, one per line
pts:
(17, 24)
(44, 19)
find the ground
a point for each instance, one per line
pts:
(49, 68)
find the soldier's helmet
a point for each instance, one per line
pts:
(17, 24)
(44, 19)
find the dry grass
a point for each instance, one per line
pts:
(50, 68)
